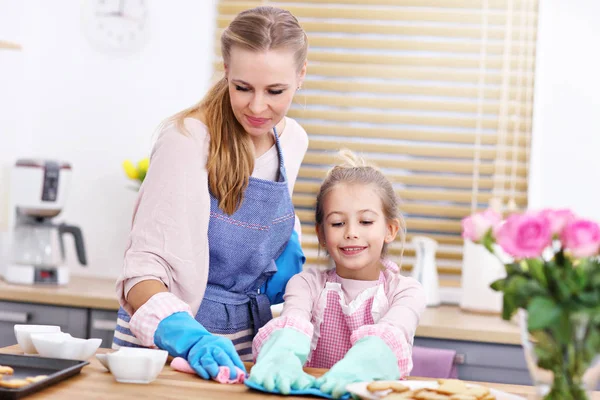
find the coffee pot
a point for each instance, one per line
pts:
(41, 243)
(38, 193)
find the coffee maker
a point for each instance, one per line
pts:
(39, 189)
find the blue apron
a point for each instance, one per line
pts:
(242, 250)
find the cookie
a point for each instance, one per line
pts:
(5, 370)
(38, 378)
(449, 389)
(477, 391)
(377, 386)
(14, 383)
(451, 386)
(462, 397)
(400, 396)
(430, 395)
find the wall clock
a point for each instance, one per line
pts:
(119, 26)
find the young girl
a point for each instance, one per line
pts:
(358, 319)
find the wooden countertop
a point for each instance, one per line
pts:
(82, 292)
(95, 382)
(444, 322)
(450, 322)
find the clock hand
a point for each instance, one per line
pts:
(109, 14)
(116, 14)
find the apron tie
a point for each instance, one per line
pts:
(260, 306)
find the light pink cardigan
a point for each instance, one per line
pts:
(169, 233)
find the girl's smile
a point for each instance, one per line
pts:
(352, 251)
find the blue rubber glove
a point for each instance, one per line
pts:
(289, 263)
(182, 336)
(369, 359)
(279, 364)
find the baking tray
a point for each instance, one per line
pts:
(24, 366)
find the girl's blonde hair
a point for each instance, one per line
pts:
(355, 170)
(231, 154)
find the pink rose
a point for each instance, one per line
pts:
(524, 235)
(581, 237)
(558, 219)
(477, 225)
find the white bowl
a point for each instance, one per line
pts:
(23, 335)
(62, 345)
(136, 365)
(103, 360)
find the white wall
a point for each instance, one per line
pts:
(94, 109)
(61, 98)
(11, 100)
(565, 170)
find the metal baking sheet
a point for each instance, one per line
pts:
(24, 366)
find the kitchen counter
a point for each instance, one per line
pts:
(450, 322)
(94, 382)
(81, 292)
(444, 322)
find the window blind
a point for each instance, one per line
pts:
(437, 93)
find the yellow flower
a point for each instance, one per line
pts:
(130, 169)
(142, 168)
(143, 165)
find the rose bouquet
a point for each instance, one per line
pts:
(553, 275)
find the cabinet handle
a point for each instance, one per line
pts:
(104, 324)
(11, 316)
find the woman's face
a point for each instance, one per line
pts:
(261, 87)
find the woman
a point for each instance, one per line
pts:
(215, 210)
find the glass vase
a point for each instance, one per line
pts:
(573, 373)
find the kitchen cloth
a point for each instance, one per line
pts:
(433, 363)
(180, 364)
(293, 392)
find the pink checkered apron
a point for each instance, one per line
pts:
(337, 327)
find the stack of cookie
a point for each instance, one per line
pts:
(16, 383)
(448, 389)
